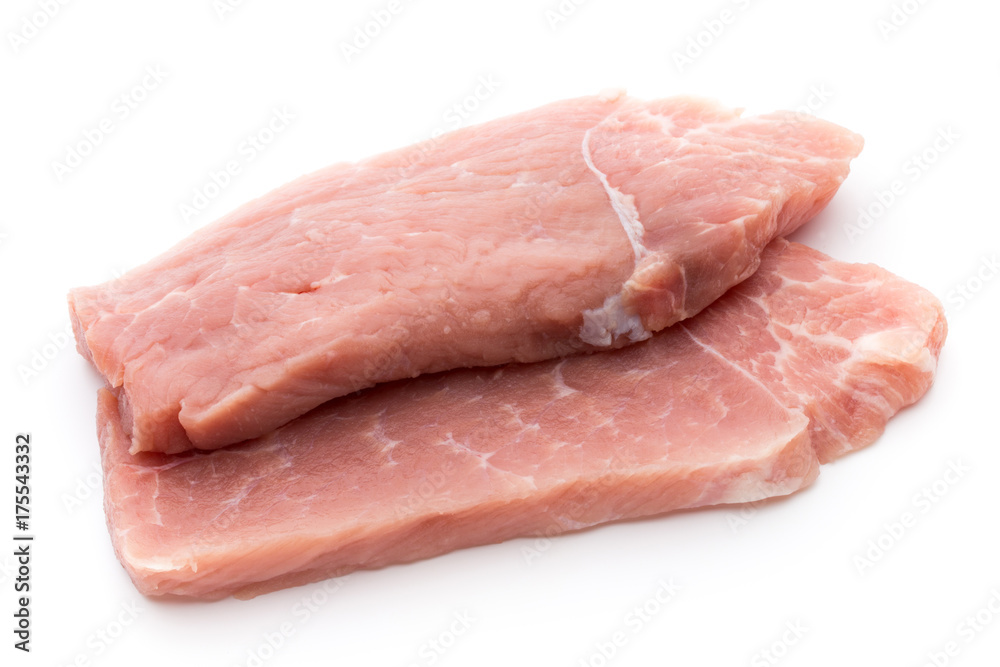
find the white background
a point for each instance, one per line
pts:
(743, 576)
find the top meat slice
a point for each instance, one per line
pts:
(586, 224)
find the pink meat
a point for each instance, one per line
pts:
(806, 360)
(586, 224)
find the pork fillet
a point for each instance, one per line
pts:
(805, 361)
(582, 225)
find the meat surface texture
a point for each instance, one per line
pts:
(583, 225)
(805, 361)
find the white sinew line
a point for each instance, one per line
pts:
(624, 205)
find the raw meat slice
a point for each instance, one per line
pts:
(582, 225)
(727, 408)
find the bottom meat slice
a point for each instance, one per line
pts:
(805, 361)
